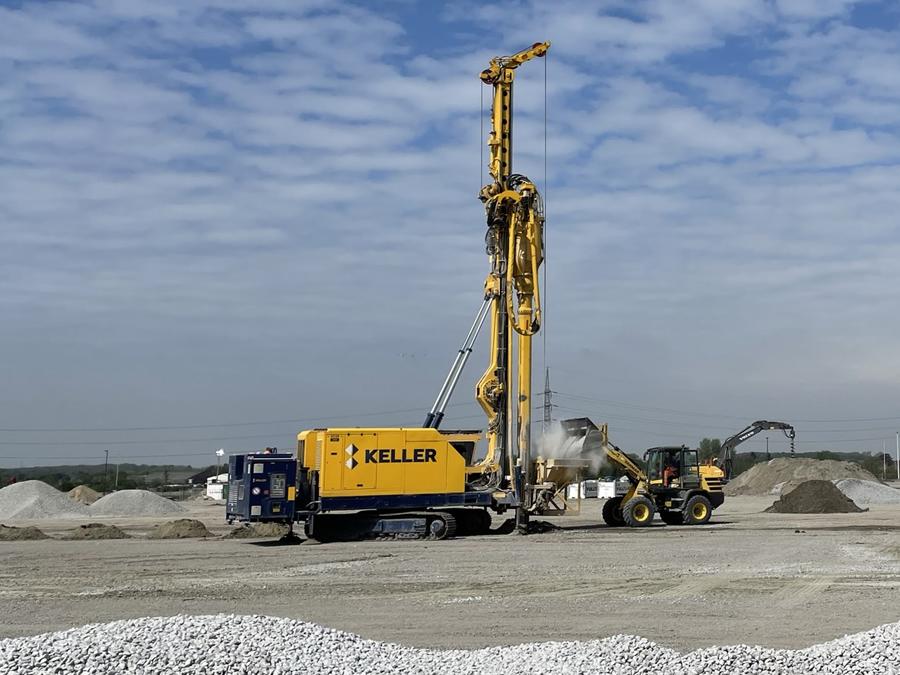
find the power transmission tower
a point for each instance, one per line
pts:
(548, 403)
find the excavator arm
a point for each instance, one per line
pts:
(725, 461)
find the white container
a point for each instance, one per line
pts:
(606, 489)
(215, 490)
(215, 486)
(588, 490)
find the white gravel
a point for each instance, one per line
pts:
(34, 499)
(866, 492)
(225, 644)
(134, 503)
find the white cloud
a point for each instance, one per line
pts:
(304, 174)
(814, 9)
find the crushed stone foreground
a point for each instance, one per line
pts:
(228, 644)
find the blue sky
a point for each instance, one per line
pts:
(217, 212)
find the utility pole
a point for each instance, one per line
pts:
(898, 455)
(883, 460)
(768, 456)
(117, 477)
(106, 471)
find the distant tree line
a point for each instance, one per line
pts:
(99, 477)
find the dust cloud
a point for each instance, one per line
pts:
(555, 443)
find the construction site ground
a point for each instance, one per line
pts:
(778, 580)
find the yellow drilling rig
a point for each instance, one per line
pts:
(350, 482)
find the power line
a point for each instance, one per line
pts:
(819, 441)
(130, 459)
(161, 440)
(325, 419)
(131, 441)
(723, 429)
(544, 227)
(622, 404)
(224, 425)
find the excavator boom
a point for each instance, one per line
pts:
(725, 460)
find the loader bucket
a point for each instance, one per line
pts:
(584, 427)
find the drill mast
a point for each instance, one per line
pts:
(514, 244)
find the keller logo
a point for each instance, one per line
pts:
(404, 456)
(351, 462)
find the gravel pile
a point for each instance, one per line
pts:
(866, 492)
(183, 528)
(96, 531)
(256, 644)
(20, 533)
(784, 473)
(83, 494)
(257, 531)
(34, 499)
(815, 496)
(134, 503)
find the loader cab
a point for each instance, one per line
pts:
(672, 468)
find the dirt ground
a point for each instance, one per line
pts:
(749, 576)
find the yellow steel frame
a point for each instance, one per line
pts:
(515, 249)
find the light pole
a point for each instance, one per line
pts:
(219, 454)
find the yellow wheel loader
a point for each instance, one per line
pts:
(676, 485)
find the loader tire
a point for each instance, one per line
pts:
(672, 517)
(697, 511)
(612, 512)
(638, 512)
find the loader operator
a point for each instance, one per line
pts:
(671, 472)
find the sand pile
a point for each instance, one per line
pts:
(83, 495)
(865, 492)
(97, 531)
(783, 474)
(134, 503)
(183, 528)
(34, 499)
(815, 496)
(257, 531)
(20, 533)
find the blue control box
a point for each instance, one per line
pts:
(261, 488)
